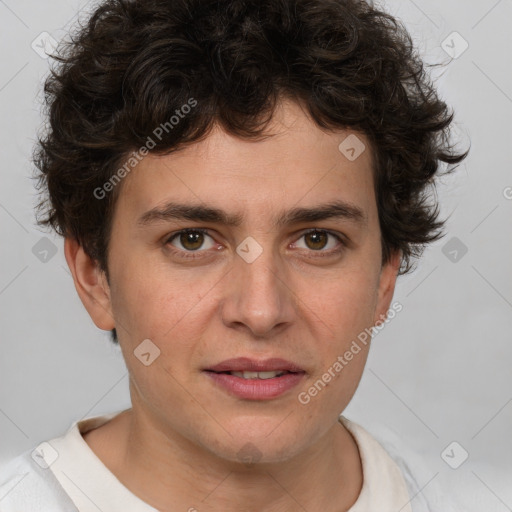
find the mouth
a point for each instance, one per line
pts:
(248, 375)
(245, 366)
(251, 379)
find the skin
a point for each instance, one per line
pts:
(177, 447)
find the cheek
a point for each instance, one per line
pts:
(166, 309)
(151, 301)
(343, 313)
(345, 305)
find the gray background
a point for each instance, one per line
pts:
(438, 373)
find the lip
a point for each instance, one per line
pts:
(256, 389)
(247, 364)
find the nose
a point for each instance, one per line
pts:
(258, 298)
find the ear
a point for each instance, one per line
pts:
(91, 284)
(387, 281)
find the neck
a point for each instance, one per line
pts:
(169, 472)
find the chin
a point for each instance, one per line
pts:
(260, 446)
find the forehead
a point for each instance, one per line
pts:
(297, 164)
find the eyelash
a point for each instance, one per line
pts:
(193, 254)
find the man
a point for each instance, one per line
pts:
(238, 185)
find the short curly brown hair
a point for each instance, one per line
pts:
(134, 64)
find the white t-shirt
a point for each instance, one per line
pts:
(64, 474)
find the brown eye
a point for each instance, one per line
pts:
(317, 239)
(323, 242)
(190, 240)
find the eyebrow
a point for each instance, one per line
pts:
(198, 213)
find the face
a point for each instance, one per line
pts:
(274, 282)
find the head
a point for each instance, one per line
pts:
(264, 120)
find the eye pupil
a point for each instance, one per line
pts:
(192, 237)
(319, 239)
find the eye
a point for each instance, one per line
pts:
(317, 240)
(190, 240)
(191, 243)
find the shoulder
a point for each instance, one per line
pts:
(423, 482)
(26, 485)
(384, 485)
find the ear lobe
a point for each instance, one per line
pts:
(91, 284)
(387, 283)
